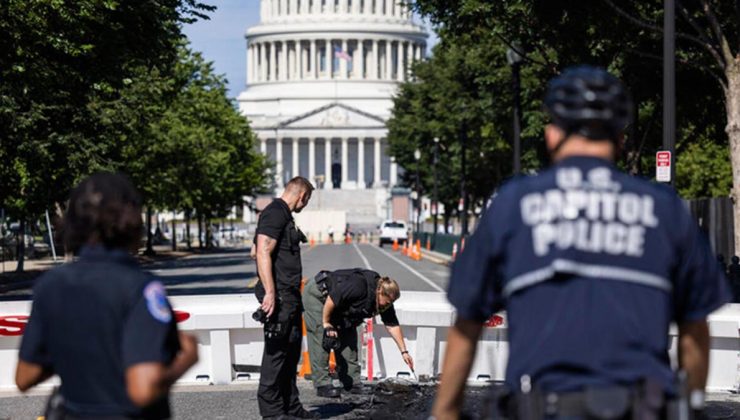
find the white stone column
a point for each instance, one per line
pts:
(316, 7)
(409, 59)
(356, 7)
(273, 61)
(388, 60)
(345, 162)
(293, 6)
(394, 174)
(327, 163)
(375, 59)
(389, 8)
(376, 164)
(250, 63)
(329, 59)
(314, 61)
(343, 62)
(360, 64)
(290, 61)
(400, 67)
(343, 6)
(263, 61)
(360, 163)
(263, 146)
(367, 10)
(284, 61)
(304, 62)
(311, 159)
(279, 162)
(283, 7)
(296, 159)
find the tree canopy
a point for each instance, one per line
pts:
(466, 83)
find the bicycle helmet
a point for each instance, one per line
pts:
(589, 101)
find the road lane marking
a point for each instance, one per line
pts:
(414, 272)
(367, 263)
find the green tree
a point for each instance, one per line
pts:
(626, 38)
(56, 57)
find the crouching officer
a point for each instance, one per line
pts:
(592, 265)
(279, 270)
(335, 305)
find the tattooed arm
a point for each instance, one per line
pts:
(265, 246)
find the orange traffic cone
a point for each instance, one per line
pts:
(395, 244)
(454, 251)
(405, 248)
(417, 253)
(462, 245)
(429, 244)
(312, 242)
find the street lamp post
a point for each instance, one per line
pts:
(669, 82)
(417, 157)
(514, 58)
(463, 170)
(436, 197)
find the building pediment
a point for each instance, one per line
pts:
(334, 115)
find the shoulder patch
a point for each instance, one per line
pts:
(156, 302)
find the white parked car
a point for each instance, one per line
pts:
(392, 230)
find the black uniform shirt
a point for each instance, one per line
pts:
(346, 293)
(93, 319)
(277, 223)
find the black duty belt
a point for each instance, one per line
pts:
(609, 403)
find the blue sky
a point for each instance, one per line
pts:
(221, 39)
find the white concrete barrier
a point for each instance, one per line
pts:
(231, 342)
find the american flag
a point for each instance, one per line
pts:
(339, 53)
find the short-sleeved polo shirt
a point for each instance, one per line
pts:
(354, 289)
(592, 265)
(93, 319)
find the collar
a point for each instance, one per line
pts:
(585, 160)
(284, 205)
(101, 253)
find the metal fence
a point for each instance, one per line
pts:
(714, 216)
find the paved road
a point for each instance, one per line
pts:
(228, 271)
(239, 401)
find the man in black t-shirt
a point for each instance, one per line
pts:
(279, 270)
(336, 303)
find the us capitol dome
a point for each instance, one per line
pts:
(321, 75)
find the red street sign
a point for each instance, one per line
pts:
(663, 166)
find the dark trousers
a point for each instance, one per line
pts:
(277, 393)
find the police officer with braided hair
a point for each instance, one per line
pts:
(335, 304)
(592, 265)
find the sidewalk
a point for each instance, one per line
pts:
(436, 257)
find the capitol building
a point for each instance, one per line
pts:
(321, 75)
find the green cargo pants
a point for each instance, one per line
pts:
(348, 366)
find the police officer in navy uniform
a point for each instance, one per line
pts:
(592, 265)
(279, 270)
(101, 323)
(335, 304)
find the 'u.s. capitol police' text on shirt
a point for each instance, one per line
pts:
(588, 216)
